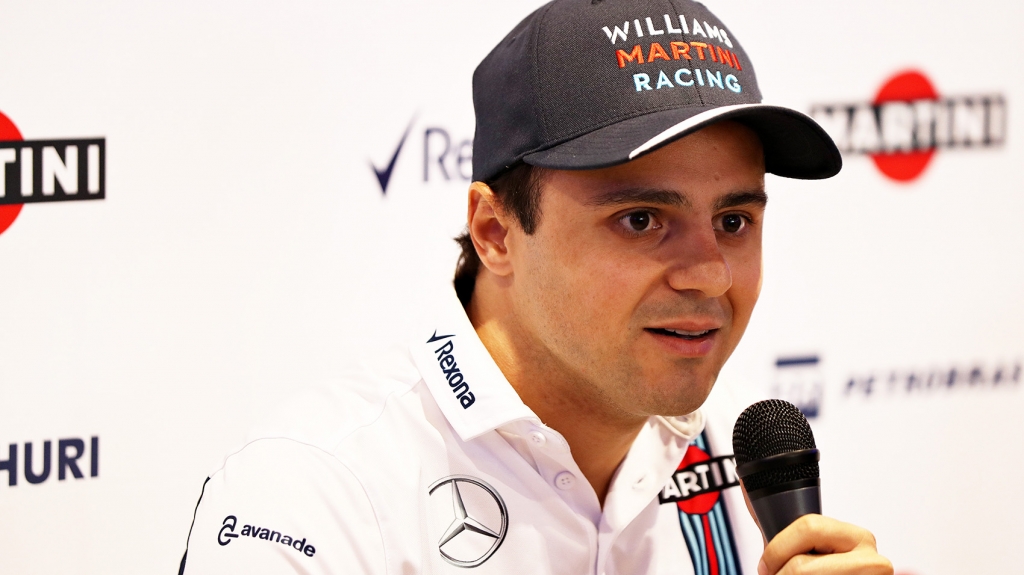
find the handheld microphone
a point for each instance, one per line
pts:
(777, 460)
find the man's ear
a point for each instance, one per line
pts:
(488, 228)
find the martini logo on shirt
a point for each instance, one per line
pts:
(446, 360)
(696, 489)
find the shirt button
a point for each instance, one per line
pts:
(565, 480)
(538, 438)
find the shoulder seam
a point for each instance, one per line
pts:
(380, 413)
(334, 456)
(373, 420)
(352, 474)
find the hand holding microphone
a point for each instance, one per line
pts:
(777, 462)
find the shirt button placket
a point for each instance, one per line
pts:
(565, 481)
(538, 439)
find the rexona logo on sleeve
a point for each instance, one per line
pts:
(227, 534)
(33, 171)
(446, 359)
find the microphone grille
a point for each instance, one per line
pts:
(767, 428)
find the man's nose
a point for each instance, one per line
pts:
(698, 264)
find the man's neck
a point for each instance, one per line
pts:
(598, 436)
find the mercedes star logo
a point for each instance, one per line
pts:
(466, 523)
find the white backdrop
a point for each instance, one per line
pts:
(245, 249)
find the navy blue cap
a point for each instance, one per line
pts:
(584, 84)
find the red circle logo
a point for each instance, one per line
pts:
(905, 87)
(8, 132)
(703, 503)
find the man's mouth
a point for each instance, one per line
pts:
(681, 334)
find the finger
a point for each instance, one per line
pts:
(861, 561)
(814, 533)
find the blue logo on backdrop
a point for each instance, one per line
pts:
(384, 175)
(71, 460)
(446, 158)
(798, 380)
(915, 381)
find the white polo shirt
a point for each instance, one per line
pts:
(427, 461)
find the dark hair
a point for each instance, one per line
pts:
(518, 193)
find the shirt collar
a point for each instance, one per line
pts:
(685, 427)
(461, 375)
(469, 387)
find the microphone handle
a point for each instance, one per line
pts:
(775, 512)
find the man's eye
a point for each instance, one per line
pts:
(732, 223)
(639, 221)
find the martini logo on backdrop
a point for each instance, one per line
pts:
(34, 171)
(908, 122)
(445, 158)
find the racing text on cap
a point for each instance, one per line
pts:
(661, 47)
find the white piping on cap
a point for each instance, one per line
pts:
(686, 125)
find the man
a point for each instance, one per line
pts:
(611, 262)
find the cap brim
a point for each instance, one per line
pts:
(795, 146)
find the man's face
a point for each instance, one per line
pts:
(641, 278)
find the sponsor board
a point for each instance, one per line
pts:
(35, 171)
(40, 461)
(976, 376)
(445, 156)
(798, 380)
(908, 122)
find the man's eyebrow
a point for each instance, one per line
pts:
(640, 196)
(745, 198)
(664, 197)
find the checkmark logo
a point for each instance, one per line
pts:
(384, 176)
(436, 337)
